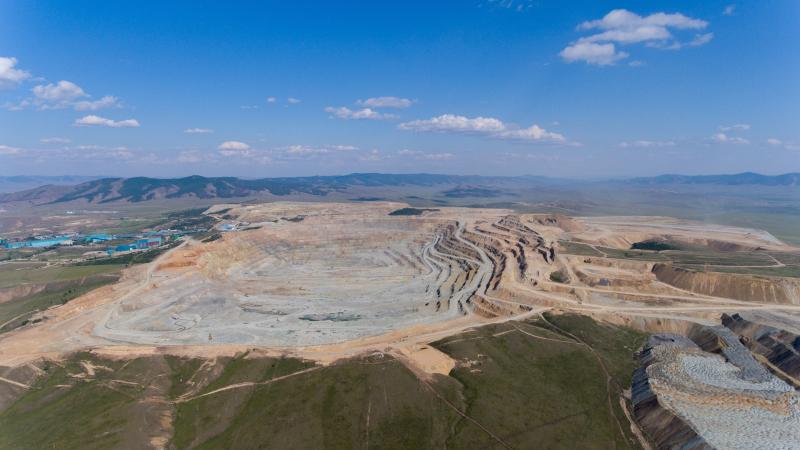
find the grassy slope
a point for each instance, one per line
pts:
(20, 310)
(64, 283)
(337, 407)
(543, 393)
(701, 259)
(10, 277)
(528, 391)
(88, 414)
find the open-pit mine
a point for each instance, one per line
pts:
(323, 282)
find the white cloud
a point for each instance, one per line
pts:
(92, 120)
(236, 150)
(293, 101)
(623, 19)
(486, 126)
(532, 133)
(343, 148)
(8, 150)
(591, 53)
(233, 145)
(729, 10)
(407, 152)
(198, 130)
(455, 123)
(271, 99)
(243, 152)
(55, 140)
(65, 94)
(736, 127)
(98, 151)
(386, 102)
(305, 150)
(107, 101)
(779, 143)
(725, 139)
(63, 91)
(416, 154)
(10, 76)
(360, 114)
(624, 27)
(701, 39)
(514, 5)
(647, 144)
(630, 36)
(300, 150)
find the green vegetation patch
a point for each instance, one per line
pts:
(69, 408)
(698, 258)
(656, 246)
(15, 313)
(10, 275)
(411, 211)
(541, 383)
(578, 248)
(131, 258)
(360, 403)
(559, 276)
(540, 388)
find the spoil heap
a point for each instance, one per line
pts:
(690, 398)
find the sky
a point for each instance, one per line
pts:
(582, 89)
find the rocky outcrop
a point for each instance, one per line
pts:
(663, 428)
(718, 339)
(781, 348)
(711, 393)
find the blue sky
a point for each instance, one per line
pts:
(580, 89)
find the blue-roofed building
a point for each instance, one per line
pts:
(95, 238)
(39, 243)
(146, 243)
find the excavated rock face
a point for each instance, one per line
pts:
(781, 348)
(736, 286)
(664, 428)
(343, 272)
(686, 397)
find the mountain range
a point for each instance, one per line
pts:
(140, 189)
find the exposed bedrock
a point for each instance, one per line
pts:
(718, 339)
(686, 397)
(781, 348)
(663, 427)
(339, 274)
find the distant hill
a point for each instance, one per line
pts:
(745, 178)
(23, 182)
(141, 189)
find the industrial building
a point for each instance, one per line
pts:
(40, 243)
